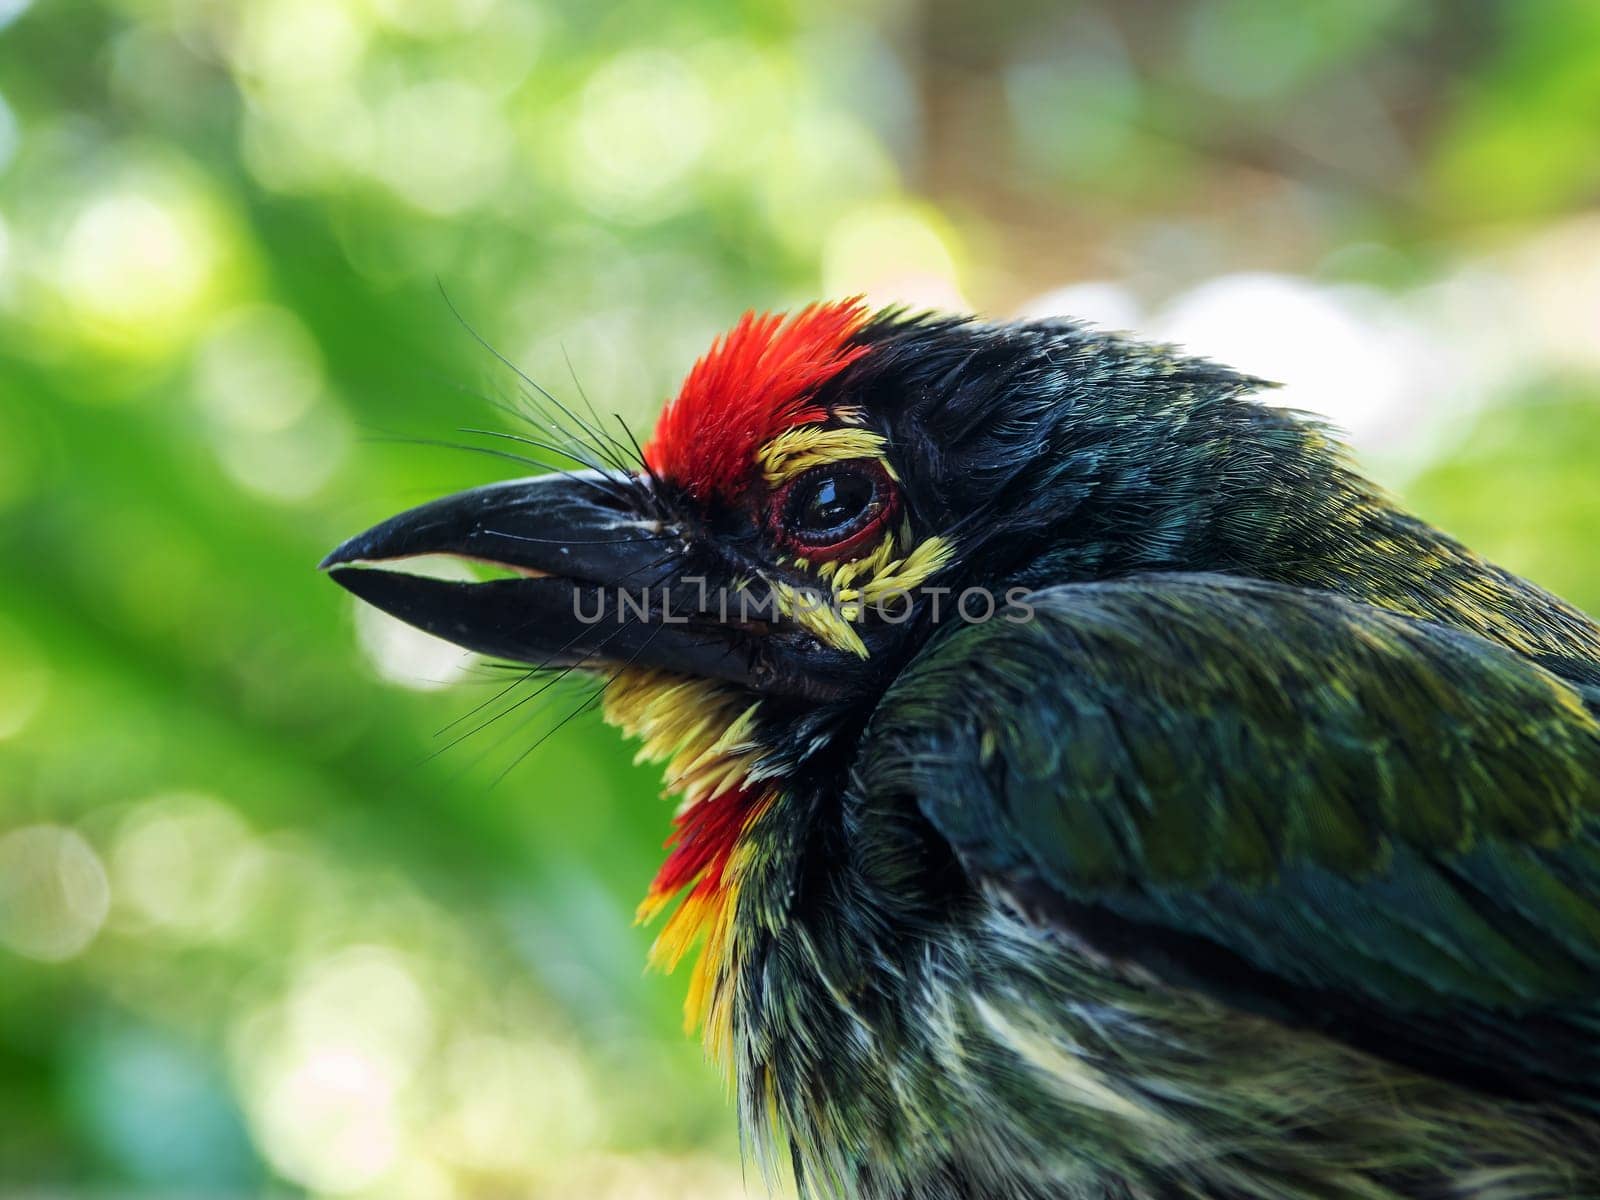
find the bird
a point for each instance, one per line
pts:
(1091, 786)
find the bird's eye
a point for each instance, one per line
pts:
(830, 510)
(829, 505)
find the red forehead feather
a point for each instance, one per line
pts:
(756, 381)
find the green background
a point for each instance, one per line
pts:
(264, 929)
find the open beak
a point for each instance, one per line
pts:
(592, 582)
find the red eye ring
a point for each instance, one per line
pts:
(832, 510)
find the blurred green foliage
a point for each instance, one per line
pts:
(265, 922)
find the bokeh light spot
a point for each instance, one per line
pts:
(309, 137)
(284, 44)
(328, 1070)
(893, 254)
(407, 656)
(1330, 352)
(443, 144)
(53, 893)
(643, 124)
(823, 165)
(258, 371)
(137, 262)
(185, 863)
(516, 1102)
(328, 1119)
(1102, 303)
(362, 998)
(290, 464)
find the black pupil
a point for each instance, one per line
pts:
(829, 506)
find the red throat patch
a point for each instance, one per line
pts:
(756, 381)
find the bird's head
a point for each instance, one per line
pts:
(825, 494)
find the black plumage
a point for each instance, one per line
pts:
(1250, 850)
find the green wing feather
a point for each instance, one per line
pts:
(1348, 818)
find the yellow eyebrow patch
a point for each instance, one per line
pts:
(795, 451)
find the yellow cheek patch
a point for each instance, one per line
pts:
(879, 575)
(796, 451)
(855, 586)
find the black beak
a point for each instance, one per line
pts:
(597, 583)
